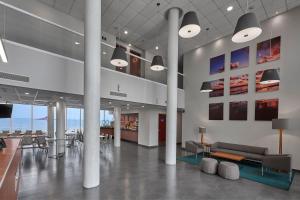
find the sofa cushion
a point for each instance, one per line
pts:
(250, 156)
(243, 148)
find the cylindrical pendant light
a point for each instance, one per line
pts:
(157, 63)
(190, 25)
(270, 76)
(119, 57)
(206, 87)
(246, 29)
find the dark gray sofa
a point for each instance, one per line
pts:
(250, 152)
(257, 154)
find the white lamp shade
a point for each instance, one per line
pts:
(190, 25)
(247, 28)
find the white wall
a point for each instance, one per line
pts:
(149, 126)
(251, 132)
(56, 73)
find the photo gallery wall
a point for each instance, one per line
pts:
(265, 109)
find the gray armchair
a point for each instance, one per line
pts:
(194, 147)
(278, 162)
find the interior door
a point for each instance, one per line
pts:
(135, 64)
(162, 129)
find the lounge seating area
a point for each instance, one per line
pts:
(224, 159)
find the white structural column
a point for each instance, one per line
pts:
(117, 126)
(173, 17)
(60, 127)
(92, 40)
(50, 121)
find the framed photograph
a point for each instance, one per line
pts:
(217, 64)
(266, 109)
(238, 110)
(239, 58)
(268, 50)
(264, 87)
(239, 84)
(216, 111)
(217, 87)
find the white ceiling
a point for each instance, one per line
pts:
(12, 94)
(146, 25)
(143, 23)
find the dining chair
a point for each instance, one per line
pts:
(42, 143)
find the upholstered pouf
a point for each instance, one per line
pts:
(209, 165)
(229, 170)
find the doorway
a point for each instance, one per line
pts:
(162, 129)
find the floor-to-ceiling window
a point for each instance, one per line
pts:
(21, 117)
(106, 118)
(4, 124)
(73, 118)
(40, 117)
(26, 117)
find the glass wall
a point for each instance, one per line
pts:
(26, 117)
(34, 117)
(106, 118)
(4, 124)
(73, 118)
(21, 117)
(40, 117)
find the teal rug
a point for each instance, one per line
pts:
(251, 171)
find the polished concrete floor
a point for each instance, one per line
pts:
(135, 173)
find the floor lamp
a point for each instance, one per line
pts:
(280, 124)
(202, 130)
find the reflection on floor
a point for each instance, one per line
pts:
(135, 172)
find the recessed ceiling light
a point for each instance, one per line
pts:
(125, 32)
(77, 43)
(156, 48)
(129, 45)
(61, 97)
(128, 105)
(143, 106)
(109, 102)
(229, 8)
(27, 93)
(276, 12)
(104, 53)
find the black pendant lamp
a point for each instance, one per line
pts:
(206, 87)
(157, 63)
(270, 76)
(246, 29)
(190, 26)
(119, 57)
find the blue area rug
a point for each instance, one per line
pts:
(251, 171)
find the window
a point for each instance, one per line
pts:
(73, 118)
(40, 116)
(106, 117)
(5, 124)
(21, 117)
(82, 118)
